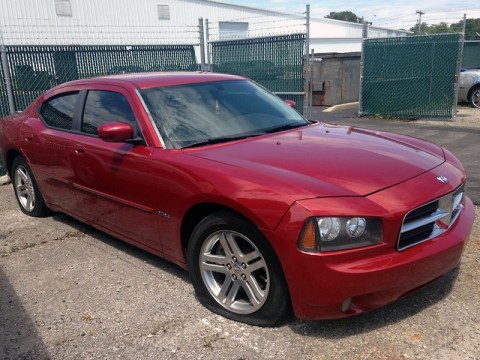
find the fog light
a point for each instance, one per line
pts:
(346, 305)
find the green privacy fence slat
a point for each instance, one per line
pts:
(276, 62)
(471, 54)
(34, 69)
(410, 77)
(3, 94)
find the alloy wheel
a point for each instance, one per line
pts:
(24, 188)
(234, 272)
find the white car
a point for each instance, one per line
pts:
(469, 87)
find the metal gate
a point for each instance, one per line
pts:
(275, 62)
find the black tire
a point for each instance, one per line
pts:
(26, 190)
(474, 97)
(260, 277)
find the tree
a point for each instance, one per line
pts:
(344, 16)
(441, 28)
(472, 27)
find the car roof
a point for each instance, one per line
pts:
(153, 79)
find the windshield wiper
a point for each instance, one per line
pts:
(285, 127)
(219, 140)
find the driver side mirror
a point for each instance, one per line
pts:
(115, 132)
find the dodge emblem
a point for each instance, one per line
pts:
(443, 179)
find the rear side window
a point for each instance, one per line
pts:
(103, 107)
(58, 111)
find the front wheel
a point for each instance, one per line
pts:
(474, 97)
(26, 190)
(236, 273)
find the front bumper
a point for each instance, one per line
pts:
(326, 286)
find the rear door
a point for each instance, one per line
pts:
(48, 146)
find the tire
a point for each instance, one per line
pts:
(26, 190)
(474, 97)
(236, 273)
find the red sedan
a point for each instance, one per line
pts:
(269, 212)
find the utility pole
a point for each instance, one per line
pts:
(420, 13)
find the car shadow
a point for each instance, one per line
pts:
(382, 317)
(123, 246)
(19, 338)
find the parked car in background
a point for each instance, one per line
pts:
(268, 212)
(469, 87)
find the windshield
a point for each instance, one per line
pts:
(203, 113)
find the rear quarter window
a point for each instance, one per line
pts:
(58, 112)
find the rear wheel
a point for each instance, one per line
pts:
(235, 272)
(26, 190)
(474, 97)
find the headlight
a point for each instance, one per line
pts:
(339, 233)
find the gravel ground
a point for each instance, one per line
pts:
(466, 117)
(68, 291)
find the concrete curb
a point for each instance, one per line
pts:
(341, 107)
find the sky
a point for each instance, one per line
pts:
(395, 14)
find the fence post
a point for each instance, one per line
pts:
(459, 66)
(8, 81)
(362, 59)
(202, 44)
(307, 62)
(207, 46)
(310, 90)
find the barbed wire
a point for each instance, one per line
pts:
(20, 34)
(97, 26)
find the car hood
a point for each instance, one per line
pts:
(325, 160)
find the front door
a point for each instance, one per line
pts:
(112, 181)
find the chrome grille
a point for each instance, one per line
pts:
(431, 219)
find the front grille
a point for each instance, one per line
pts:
(431, 219)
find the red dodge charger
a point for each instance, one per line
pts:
(270, 213)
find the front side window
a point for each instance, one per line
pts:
(192, 114)
(58, 112)
(102, 107)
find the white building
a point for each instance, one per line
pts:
(143, 22)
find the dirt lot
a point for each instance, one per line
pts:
(68, 291)
(466, 117)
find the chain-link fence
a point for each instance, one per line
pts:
(410, 77)
(275, 62)
(471, 54)
(34, 69)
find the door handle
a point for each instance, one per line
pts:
(79, 149)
